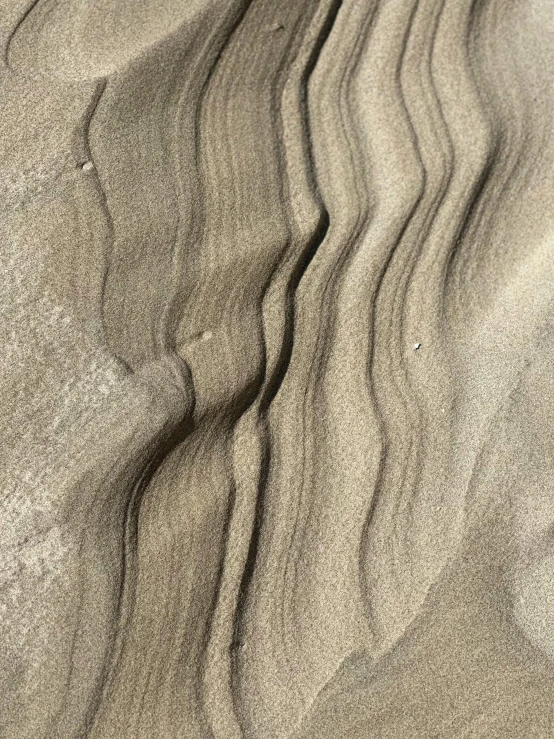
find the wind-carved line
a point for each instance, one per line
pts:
(356, 225)
(159, 449)
(410, 203)
(175, 305)
(271, 383)
(189, 231)
(90, 114)
(26, 13)
(437, 255)
(126, 600)
(341, 247)
(407, 218)
(398, 398)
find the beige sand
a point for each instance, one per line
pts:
(277, 379)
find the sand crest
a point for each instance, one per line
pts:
(276, 382)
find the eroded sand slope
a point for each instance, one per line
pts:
(276, 383)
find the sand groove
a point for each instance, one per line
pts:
(276, 382)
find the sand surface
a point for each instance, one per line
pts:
(277, 369)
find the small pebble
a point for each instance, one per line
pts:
(87, 166)
(416, 347)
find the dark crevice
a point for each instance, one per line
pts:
(162, 448)
(275, 381)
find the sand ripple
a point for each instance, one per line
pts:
(277, 388)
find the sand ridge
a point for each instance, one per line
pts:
(276, 381)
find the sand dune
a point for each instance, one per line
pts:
(277, 389)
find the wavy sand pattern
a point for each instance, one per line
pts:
(277, 389)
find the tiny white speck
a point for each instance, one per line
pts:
(416, 347)
(87, 166)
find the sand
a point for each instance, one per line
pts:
(276, 382)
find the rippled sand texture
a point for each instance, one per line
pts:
(277, 387)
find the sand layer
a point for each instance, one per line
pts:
(276, 379)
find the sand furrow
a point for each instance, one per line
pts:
(276, 373)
